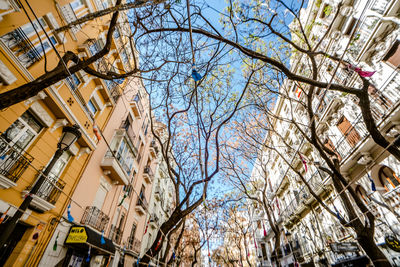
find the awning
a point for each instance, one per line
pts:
(81, 237)
(356, 261)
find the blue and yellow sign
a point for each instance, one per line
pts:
(76, 235)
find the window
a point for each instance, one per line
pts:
(348, 131)
(73, 81)
(96, 46)
(125, 156)
(25, 44)
(132, 236)
(393, 55)
(92, 107)
(388, 178)
(124, 56)
(23, 130)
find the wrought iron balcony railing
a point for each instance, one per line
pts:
(149, 171)
(95, 218)
(51, 188)
(154, 145)
(134, 244)
(137, 99)
(22, 47)
(13, 160)
(115, 234)
(142, 202)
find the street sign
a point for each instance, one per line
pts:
(77, 235)
(392, 242)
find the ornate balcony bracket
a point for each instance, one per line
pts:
(365, 159)
(394, 131)
(39, 96)
(59, 123)
(82, 151)
(5, 182)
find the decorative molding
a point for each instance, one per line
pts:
(394, 131)
(38, 202)
(6, 76)
(42, 114)
(5, 182)
(74, 149)
(59, 123)
(69, 114)
(82, 151)
(40, 96)
(346, 11)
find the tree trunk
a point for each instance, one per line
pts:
(277, 245)
(366, 241)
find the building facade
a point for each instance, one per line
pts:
(104, 180)
(309, 235)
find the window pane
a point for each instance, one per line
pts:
(25, 139)
(92, 107)
(13, 130)
(31, 121)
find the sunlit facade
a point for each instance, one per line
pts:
(309, 235)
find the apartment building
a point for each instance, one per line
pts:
(161, 205)
(90, 183)
(309, 235)
(113, 193)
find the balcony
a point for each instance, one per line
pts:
(148, 174)
(137, 106)
(153, 221)
(111, 165)
(108, 89)
(153, 149)
(95, 218)
(47, 195)
(134, 245)
(13, 162)
(141, 206)
(115, 234)
(22, 47)
(157, 193)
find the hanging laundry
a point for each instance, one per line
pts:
(3, 217)
(277, 205)
(337, 213)
(70, 218)
(265, 232)
(56, 242)
(364, 74)
(158, 244)
(373, 187)
(96, 132)
(102, 240)
(123, 198)
(147, 226)
(88, 256)
(304, 162)
(195, 75)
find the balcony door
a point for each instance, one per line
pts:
(23, 130)
(15, 140)
(48, 187)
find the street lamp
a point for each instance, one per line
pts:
(69, 136)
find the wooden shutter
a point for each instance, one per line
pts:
(348, 131)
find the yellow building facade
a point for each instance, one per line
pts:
(31, 129)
